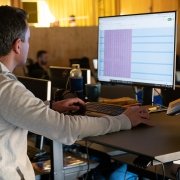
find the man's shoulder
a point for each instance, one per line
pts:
(9, 78)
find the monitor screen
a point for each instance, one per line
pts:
(138, 49)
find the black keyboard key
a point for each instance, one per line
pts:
(108, 109)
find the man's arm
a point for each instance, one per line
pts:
(21, 109)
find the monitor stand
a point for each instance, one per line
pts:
(147, 96)
(148, 99)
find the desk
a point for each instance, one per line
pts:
(160, 142)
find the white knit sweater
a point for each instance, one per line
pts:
(21, 111)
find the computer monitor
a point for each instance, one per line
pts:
(178, 77)
(170, 95)
(83, 62)
(138, 49)
(177, 63)
(59, 76)
(95, 64)
(39, 87)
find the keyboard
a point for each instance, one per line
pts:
(95, 109)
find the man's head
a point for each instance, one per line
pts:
(14, 33)
(42, 57)
(72, 20)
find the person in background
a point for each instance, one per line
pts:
(27, 66)
(72, 20)
(40, 68)
(21, 111)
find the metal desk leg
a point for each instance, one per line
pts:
(58, 161)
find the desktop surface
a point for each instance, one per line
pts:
(160, 141)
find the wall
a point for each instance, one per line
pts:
(135, 6)
(4, 2)
(144, 6)
(64, 43)
(164, 5)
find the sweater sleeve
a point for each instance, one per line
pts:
(21, 109)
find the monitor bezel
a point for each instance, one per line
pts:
(143, 84)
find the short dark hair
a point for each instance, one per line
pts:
(13, 25)
(40, 53)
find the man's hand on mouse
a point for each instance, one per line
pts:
(71, 104)
(138, 115)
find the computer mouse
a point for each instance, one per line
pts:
(81, 111)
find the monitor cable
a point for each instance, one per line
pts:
(163, 169)
(67, 83)
(178, 174)
(88, 159)
(125, 173)
(159, 94)
(156, 175)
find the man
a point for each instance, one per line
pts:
(21, 112)
(40, 68)
(72, 20)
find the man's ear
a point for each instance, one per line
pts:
(17, 46)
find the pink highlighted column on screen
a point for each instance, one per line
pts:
(117, 53)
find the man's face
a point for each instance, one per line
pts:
(44, 59)
(24, 48)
